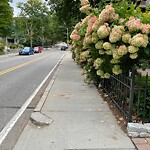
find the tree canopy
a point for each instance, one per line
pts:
(6, 15)
(67, 12)
(34, 15)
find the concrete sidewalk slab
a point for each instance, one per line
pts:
(81, 119)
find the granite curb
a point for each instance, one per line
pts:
(37, 117)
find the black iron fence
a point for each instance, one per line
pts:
(131, 93)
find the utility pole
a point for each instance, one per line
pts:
(31, 34)
(66, 32)
(67, 35)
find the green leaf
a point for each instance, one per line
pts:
(147, 50)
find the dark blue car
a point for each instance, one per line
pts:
(26, 51)
(63, 48)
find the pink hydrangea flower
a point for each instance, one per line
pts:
(75, 37)
(121, 20)
(122, 50)
(91, 21)
(109, 9)
(83, 21)
(108, 14)
(133, 24)
(145, 28)
(96, 25)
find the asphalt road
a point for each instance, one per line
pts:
(19, 77)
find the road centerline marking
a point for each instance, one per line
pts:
(22, 65)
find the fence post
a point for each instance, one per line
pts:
(132, 85)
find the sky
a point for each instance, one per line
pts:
(16, 10)
(14, 5)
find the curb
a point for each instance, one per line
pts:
(44, 96)
(37, 117)
(9, 55)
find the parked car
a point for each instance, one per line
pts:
(38, 49)
(63, 48)
(26, 51)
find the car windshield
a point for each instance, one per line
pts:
(26, 49)
(35, 48)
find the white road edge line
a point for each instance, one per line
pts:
(12, 122)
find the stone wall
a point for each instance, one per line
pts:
(138, 130)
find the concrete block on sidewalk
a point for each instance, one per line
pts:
(40, 119)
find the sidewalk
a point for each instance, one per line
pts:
(8, 55)
(81, 119)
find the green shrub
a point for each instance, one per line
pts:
(1, 52)
(20, 46)
(141, 106)
(2, 47)
(13, 46)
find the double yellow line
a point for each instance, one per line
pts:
(21, 65)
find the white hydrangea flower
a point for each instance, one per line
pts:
(99, 44)
(133, 55)
(100, 72)
(132, 49)
(107, 46)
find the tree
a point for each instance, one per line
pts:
(6, 15)
(68, 14)
(18, 29)
(34, 14)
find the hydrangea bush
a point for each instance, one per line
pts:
(105, 43)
